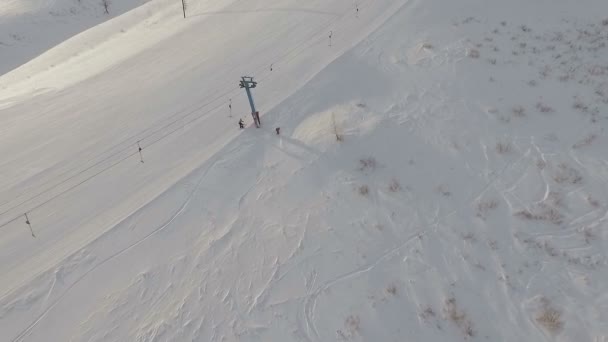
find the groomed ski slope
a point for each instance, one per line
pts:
(467, 199)
(30, 27)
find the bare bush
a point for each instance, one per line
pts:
(555, 199)
(545, 72)
(473, 53)
(541, 212)
(368, 163)
(493, 244)
(567, 174)
(394, 186)
(363, 190)
(525, 28)
(597, 70)
(428, 313)
(443, 190)
(392, 289)
(541, 164)
(585, 142)
(469, 236)
(427, 46)
(593, 202)
(605, 22)
(458, 317)
(587, 234)
(483, 207)
(543, 108)
(550, 318)
(519, 111)
(580, 106)
(351, 328)
(503, 147)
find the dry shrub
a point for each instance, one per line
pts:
(593, 202)
(605, 22)
(473, 53)
(351, 327)
(368, 163)
(543, 108)
(394, 186)
(443, 190)
(550, 318)
(363, 190)
(493, 244)
(542, 212)
(392, 289)
(458, 317)
(545, 72)
(470, 237)
(567, 174)
(555, 199)
(487, 205)
(427, 46)
(585, 142)
(483, 207)
(541, 164)
(428, 313)
(503, 147)
(519, 111)
(587, 234)
(597, 70)
(580, 106)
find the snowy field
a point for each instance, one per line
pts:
(441, 172)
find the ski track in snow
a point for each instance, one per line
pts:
(25, 332)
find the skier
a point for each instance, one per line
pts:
(241, 124)
(278, 129)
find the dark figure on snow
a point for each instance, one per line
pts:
(278, 129)
(241, 124)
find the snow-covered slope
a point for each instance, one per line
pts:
(30, 27)
(466, 200)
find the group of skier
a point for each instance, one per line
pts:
(242, 125)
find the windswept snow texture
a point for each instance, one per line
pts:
(441, 174)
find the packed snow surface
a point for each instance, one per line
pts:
(441, 172)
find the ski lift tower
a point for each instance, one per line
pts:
(248, 83)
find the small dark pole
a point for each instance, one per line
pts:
(357, 11)
(331, 33)
(184, 7)
(271, 67)
(230, 108)
(27, 221)
(141, 156)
